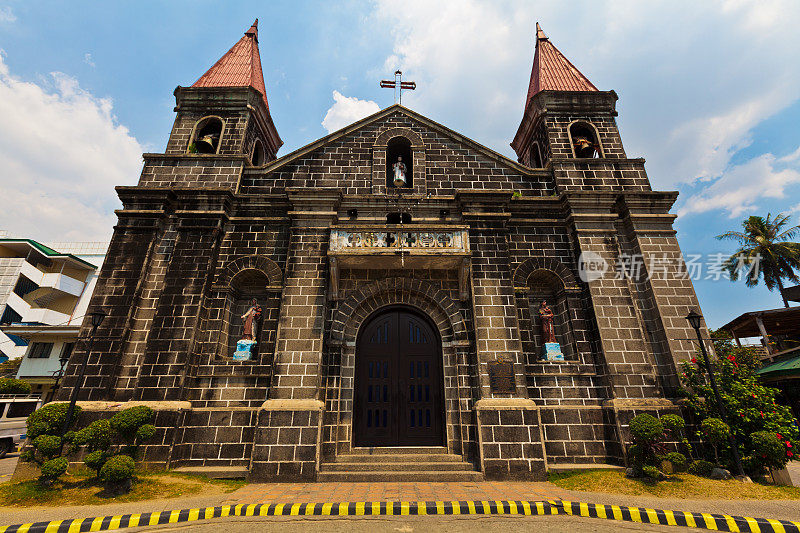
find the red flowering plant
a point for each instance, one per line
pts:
(752, 408)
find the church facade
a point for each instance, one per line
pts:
(389, 316)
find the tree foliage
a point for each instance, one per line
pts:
(766, 250)
(751, 407)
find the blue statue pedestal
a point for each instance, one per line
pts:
(244, 350)
(552, 352)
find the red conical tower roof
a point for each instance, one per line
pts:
(552, 71)
(239, 67)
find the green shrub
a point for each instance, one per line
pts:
(701, 467)
(49, 419)
(674, 425)
(52, 469)
(117, 469)
(127, 422)
(96, 460)
(768, 449)
(646, 429)
(48, 445)
(145, 433)
(678, 461)
(648, 435)
(95, 436)
(14, 386)
(751, 407)
(652, 472)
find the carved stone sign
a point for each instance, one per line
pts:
(501, 376)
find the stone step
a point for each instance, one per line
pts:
(399, 458)
(409, 475)
(215, 472)
(572, 467)
(394, 450)
(396, 467)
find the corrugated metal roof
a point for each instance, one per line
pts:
(552, 71)
(786, 368)
(239, 67)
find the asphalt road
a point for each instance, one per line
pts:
(7, 466)
(417, 524)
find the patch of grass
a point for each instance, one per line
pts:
(675, 486)
(81, 488)
(226, 485)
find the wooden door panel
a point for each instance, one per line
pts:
(398, 398)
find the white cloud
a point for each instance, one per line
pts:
(739, 188)
(6, 15)
(62, 152)
(346, 110)
(87, 58)
(693, 82)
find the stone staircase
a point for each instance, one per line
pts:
(423, 463)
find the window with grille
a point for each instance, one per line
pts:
(41, 350)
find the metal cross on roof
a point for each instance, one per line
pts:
(398, 85)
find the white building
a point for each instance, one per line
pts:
(44, 293)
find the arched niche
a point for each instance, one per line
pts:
(247, 285)
(584, 140)
(207, 135)
(259, 156)
(381, 162)
(546, 285)
(399, 149)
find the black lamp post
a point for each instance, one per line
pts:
(694, 319)
(97, 319)
(63, 360)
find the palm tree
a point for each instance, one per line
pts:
(766, 248)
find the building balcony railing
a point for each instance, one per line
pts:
(394, 246)
(395, 241)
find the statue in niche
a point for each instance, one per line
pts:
(551, 349)
(546, 314)
(400, 170)
(251, 321)
(246, 346)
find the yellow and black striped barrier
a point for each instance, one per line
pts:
(714, 522)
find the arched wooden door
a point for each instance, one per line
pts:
(398, 382)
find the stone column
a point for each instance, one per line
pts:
(508, 424)
(288, 436)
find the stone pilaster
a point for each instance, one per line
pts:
(299, 344)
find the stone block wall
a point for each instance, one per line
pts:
(510, 440)
(286, 437)
(215, 437)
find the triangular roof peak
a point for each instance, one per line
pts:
(239, 67)
(552, 71)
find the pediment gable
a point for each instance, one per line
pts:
(355, 159)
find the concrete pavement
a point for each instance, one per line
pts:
(7, 466)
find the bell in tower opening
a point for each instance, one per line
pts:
(584, 141)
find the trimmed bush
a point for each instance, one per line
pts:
(127, 423)
(145, 433)
(673, 424)
(96, 460)
(14, 386)
(117, 469)
(95, 436)
(47, 445)
(678, 461)
(646, 429)
(52, 469)
(701, 467)
(768, 449)
(652, 472)
(49, 418)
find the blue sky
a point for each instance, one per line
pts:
(708, 94)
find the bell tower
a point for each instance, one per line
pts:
(565, 117)
(225, 112)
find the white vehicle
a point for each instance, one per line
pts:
(14, 411)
